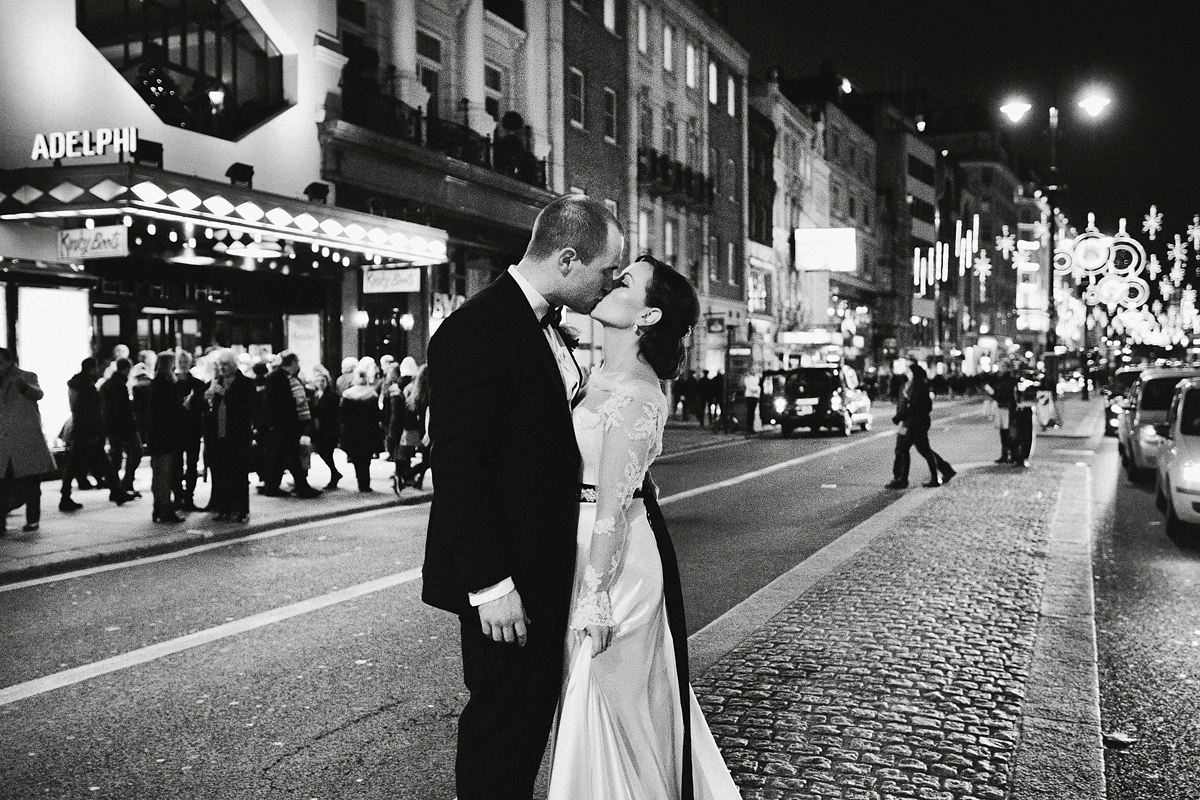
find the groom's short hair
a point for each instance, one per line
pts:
(574, 220)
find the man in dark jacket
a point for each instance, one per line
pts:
(500, 551)
(191, 389)
(85, 451)
(285, 418)
(120, 425)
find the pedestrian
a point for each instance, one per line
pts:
(716, 398)
(286, 419)
(326, 421)
(346, 379)
(391, 410)
(191, 389)
(751, 394)
(416, 402)
(24, 456)
(228, 436)
(699, 395)
(164, 428)
(500, 551)
(913, 416)
(360, 435)
(85, 450)
(1002, 389)
(139, 391)
(120, 424)
(683, 394)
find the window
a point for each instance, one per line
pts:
(713, 255)
(714, 168)
(429, 60)
(575, 88)
(695, 254)
(668, 48)
(731, 180)
(731, 96)
(866, 209)
(610, 114)
(643, 232)
(691, 66)
(730, 261)
(758, 291)
(643, 30)
(431, 79)
(693, 142)
(493, 84)
(851, 206)
(669, 242)
(713, 91)
(645, 119)
(835, 199)
(610, 14)
(835, 143)
(429, 47)
(670, 132)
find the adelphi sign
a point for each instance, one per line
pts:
(76, 144)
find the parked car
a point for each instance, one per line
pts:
(1114, 394)
(1177, 478)
(815, 397)
(1147, 405)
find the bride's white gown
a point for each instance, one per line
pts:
(619, 733)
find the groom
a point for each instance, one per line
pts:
(500, 552)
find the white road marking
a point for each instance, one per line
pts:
(758, 473)
(69, 677)
(374, 512)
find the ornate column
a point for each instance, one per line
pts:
(471, 44)
(404, 54)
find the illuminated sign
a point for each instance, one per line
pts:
(831, 249)
(387, 281)
(76, 144)
(109, 241)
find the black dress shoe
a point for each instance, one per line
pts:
(895, 484)
(933, 483)
(68, 505)
(272, 491)
(169, 517)
(306, 492)
(1003, 460)
(947, 475)
(120, 498)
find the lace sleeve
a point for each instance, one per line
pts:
(632, 427)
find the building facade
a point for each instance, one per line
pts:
(162, 187)
(762, 300)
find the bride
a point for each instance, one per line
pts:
(628, 727)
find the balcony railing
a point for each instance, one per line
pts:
(662, 175)
(508, 155)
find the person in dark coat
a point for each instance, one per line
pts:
(120, 424)
(392, 411)
(191, 390)
(327, 421)
(164, 429)
(285, 418)
(414, 452)
(361, 435)
(229, 403)
(1002, 388)
(85, 449)
(24, 456)
(913, 416)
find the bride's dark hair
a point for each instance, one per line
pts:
(662, 344)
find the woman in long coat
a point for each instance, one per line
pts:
(327, 416)
(230, 403)
(165, 422)
(361, 434)
(24, 456)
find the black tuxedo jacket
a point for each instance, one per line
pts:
(504, 460)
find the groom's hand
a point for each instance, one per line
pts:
(504, 619)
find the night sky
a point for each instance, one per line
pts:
(1141, 150)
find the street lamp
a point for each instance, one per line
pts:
(1093, 102)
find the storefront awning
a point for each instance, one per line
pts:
(97, 190)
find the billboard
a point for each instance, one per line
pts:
(830, 249)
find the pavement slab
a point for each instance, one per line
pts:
(903, 671)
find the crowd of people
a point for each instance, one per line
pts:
(225, 416)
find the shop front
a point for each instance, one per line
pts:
(96, 255)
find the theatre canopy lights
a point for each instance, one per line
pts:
(124, 189)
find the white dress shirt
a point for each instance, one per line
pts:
(572, 379)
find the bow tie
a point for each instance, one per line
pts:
(552, 318)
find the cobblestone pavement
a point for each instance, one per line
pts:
(901, 674)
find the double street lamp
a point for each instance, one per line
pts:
(1093, 102)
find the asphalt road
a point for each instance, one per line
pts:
(1148, 639)
(302, 664)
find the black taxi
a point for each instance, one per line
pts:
(825, 396)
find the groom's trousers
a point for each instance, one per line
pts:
(503, 730)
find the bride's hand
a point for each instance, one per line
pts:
(601, 636)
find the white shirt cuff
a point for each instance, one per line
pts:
(491, 593)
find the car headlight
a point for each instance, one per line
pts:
(1149, 435)
(1189, 474)
(835, 402)
(780, 405)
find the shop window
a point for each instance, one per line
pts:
(208, 67)
(53, 336)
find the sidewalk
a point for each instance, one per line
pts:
(943, 649)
